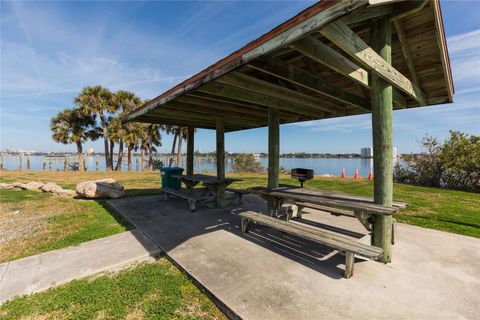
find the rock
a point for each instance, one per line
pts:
(33, 185)
(51, 187)
(65, 193)
(6, 186)
(104, 188)
(18, 185)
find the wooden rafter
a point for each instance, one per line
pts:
(406, 52)
(322, 53)
(344, 38)
(222, 90)
(246, 82)
(297, 76)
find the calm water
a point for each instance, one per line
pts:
(319, 165)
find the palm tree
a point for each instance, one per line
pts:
(131, 138)
(126, 102)
(116, 132)
(99, 101)
(154, 139)
(72, 126)
(169, 129)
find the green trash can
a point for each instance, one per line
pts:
(168, 181)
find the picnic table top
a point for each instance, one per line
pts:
(205, 178)
(326, 198)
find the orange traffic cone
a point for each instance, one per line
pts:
(356, 174)
(343, 172)
(370, 176)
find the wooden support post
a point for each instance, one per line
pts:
(28, 162)
(220, 130)
(20, 165)
(273, 147)
(190, 149)
(382, 108)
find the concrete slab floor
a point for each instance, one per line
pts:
(270, 275)
(40, 272)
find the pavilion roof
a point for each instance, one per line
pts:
(316, 65)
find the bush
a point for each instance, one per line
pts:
(246, 163)
(453, 164)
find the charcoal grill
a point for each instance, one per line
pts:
(302, 175)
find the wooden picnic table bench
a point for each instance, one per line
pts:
(207, 194)
(349, 246)
(360, 207)
(192, 196)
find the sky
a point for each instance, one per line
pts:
(50, 50)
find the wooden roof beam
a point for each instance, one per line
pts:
(249, 83)
(394, 10)
(297, 76)
(344, 38)
(222, 90)
(194, 110)
(322, 53)
(291, 116)
(219, 106)
(180, 120)
(406, 52)
(175, 113)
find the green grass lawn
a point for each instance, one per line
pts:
(149, 291)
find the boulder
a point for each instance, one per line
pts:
(6, 186)
(104, 188)
(51, 187)
(18, 185)
(33, 185)
(65, 193)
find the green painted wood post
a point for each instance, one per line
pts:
(220, 132)
(190, 149)
(273, 147)
(20, 164)
(382, 108)
(273, 154)
(28, 162)
(97, 163)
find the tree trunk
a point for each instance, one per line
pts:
(179, 151)
(112, 145)
(118, 167)
(170, 163)
(105, 141)
(81, 167)
(150, 155)
(129, 158)
(144, 148)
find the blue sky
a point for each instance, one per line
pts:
(50, 50)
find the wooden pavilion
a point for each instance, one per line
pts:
(334, 59)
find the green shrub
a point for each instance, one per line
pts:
(453, 164)
(246, 163)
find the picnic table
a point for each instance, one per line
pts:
(211, 182)
(210, 193)
(363, 208)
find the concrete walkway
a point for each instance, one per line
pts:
(271, 275)
(40, 272)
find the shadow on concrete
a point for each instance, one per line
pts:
(170, 224)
